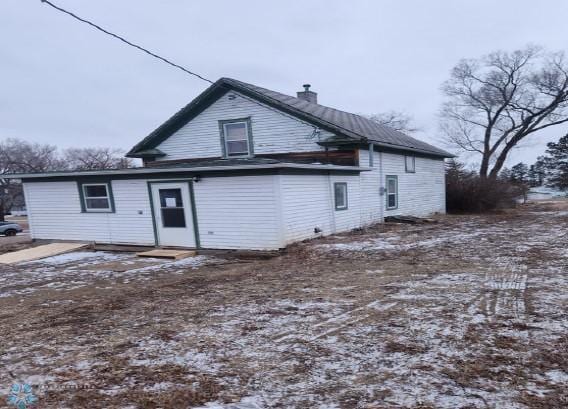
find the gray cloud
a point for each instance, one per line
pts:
(65, 84)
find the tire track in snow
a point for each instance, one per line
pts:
(337, 323)
(503, 292)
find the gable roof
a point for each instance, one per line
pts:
(351, 126)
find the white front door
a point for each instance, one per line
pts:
(173, 214)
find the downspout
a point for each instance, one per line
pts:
(382, 191)
(331, 204)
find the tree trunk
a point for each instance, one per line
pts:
(2, 218)
(484, 166)
(499, 163)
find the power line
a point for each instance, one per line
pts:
(124, 40)
(165, 60)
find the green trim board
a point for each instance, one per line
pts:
(250, 141)
(96, 181)
(152, 211)
(194, 215)
(192, 204)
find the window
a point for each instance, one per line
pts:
(96, 197)
(392, 192)
(340, 190)
(236, 138)
(171, 208)
(410, 164)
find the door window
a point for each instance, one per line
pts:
(171, 208)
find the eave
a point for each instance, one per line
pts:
(151, 172)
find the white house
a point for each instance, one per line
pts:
(243, 167)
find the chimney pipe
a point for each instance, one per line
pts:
(308, 95)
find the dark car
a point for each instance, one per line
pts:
(10, 228)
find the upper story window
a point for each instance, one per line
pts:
(236, 137)
(410, 164)
(96, 197)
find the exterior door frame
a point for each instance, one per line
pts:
(192, 207)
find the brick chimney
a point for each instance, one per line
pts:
(308, 95)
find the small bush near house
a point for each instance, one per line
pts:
(467, 192)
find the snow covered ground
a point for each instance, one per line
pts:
(468, 312)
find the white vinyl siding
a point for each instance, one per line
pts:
(419, 194)
(308, 205)
(263, 212)
(272, 132)
(373, 201)
(56, 214)
(239, 212)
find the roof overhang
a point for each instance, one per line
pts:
(383, 147)
(148, 153)
(188, 171)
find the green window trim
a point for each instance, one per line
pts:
(340, 187)
(389, 193)
(222, 127)
(109, 196)
(406, 168)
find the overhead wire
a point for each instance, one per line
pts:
(166, 60)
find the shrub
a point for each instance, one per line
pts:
(467, 192)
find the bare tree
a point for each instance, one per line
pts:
(495, 102)
(399, 121)
(17, 156)
(95, 158)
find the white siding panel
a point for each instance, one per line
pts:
(272, 132)
(308, 203)
(372, 202)
(419, 194)
(238, 212)
(56, 214)
(350, 218)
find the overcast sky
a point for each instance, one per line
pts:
(66, 84)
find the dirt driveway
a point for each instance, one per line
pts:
(470, 312)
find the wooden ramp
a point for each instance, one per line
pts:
(169, 254)
(39, 252)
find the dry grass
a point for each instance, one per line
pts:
(469, 312)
